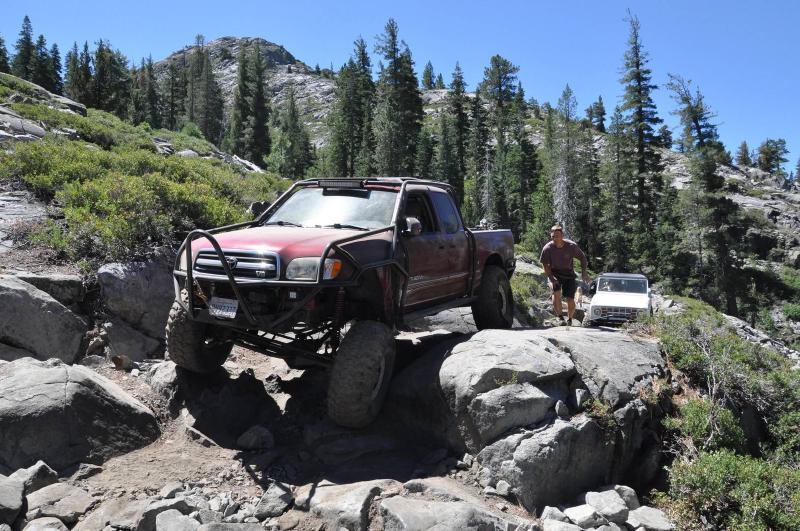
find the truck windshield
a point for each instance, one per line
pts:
(320, 207)
(625, 285)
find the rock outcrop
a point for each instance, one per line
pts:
(32, 320)
(65, 415)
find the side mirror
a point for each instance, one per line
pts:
(593, 287)
(413, 227)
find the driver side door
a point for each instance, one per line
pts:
(427, 254)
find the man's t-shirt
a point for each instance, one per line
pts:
(560, 259)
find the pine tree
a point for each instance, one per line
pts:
(292, 154)
(235, 141)
(152, 96)
(439, 85)
(564, 163)
(365, 159)
(173, 92)
(587, 193)
(520, 167)
(111, 82)
(599, 115)
(641, 120)
(499, 87)
(398, 112)
(24, 50)
(41, 66)
(743, 155)
(457, 108)
(84, 77)
(424, 158)
(617, 197)
(5, 66)
(427, 76)
(478, 162)
(772, 155)
(445, 159)
(55, 70)
(720, 227)
(137, 108)
(258, 142)
(665, 137)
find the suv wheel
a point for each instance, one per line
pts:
(189, 344)
(495, 305)
(361, 374)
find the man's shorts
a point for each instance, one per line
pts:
(568, 285)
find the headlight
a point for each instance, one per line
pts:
(307, 268)
(596, 311)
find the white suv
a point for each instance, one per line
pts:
(617, 298)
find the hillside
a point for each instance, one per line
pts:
(313, 92)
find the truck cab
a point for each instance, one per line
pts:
(618, 298)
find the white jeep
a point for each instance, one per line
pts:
(618, 298)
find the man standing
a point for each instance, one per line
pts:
(557, 256)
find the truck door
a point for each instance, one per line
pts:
(455, 241)
(428, 263)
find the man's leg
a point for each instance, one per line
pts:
(557, 308)
(570, 308)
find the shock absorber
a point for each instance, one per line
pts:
(338, 316)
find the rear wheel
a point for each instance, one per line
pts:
(495, 305)
(191, 344)
(361, 374)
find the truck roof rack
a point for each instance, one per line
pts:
(357, 182)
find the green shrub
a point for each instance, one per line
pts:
(708, 425)
(526, 289)
(191, 129)
(730, 491)
(792, 311)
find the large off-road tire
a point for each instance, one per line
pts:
(189, 343)
(495, 305)
(361, 374)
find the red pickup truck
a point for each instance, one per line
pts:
(328, 274)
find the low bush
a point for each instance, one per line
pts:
(706, 425)
(792, 311)
(724, 490)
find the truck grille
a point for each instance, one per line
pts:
(616, 312)
(255, 265)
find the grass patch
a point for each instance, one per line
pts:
(527, 289)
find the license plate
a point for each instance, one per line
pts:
(225, 308)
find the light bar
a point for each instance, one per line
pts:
(341, 183)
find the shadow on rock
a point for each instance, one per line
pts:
(224, 407)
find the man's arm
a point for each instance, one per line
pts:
(548, 271)
(584, 263)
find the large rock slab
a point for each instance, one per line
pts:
(406, 514)
(11, 496)
(141, 293)
(35, 476)
(124, 340)
(66, 289)
(613, 365)
(59, 500)
(343, 506)
(548, 465)
(490, 360)
(66, 415)
(33, 320)
(119, 513)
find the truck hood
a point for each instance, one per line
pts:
(621, 299)
(288, 242)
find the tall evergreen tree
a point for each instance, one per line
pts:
(23, 51)
(292, 154)
(439, 85)
(772, 155)
(152, 95)
(499, 86)
(542, 200)
(743, 155)
(478, 162)
(137, 108)
(665, 137)
(5, 65)
(235, 140)
(111, 83)
(173, 92)
(55, 69)
(520, 168)
(258, 142)
(641, 121)
(398, 112)
(564, 163)
(457, 104)
(445, 159)
(599, 115)
(41, 66)
(427, 76)
(617, 196)
(720, 225)
(423, 163)
(365, 159)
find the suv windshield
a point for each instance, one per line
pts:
(321, 207)
(625, 285)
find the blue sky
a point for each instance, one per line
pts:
(744, 56)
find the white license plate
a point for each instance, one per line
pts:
(225, 308)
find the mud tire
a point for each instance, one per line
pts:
(361, 374)
(188, 344)
(495, 305)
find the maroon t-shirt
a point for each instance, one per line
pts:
(560, 258)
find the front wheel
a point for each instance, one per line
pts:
(361, 374)
(495, 305)
(189, 343)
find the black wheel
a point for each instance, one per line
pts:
(587, 323)
(361, 374)
(190, 344)
(495, 305)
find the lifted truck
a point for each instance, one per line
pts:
(328, 274)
